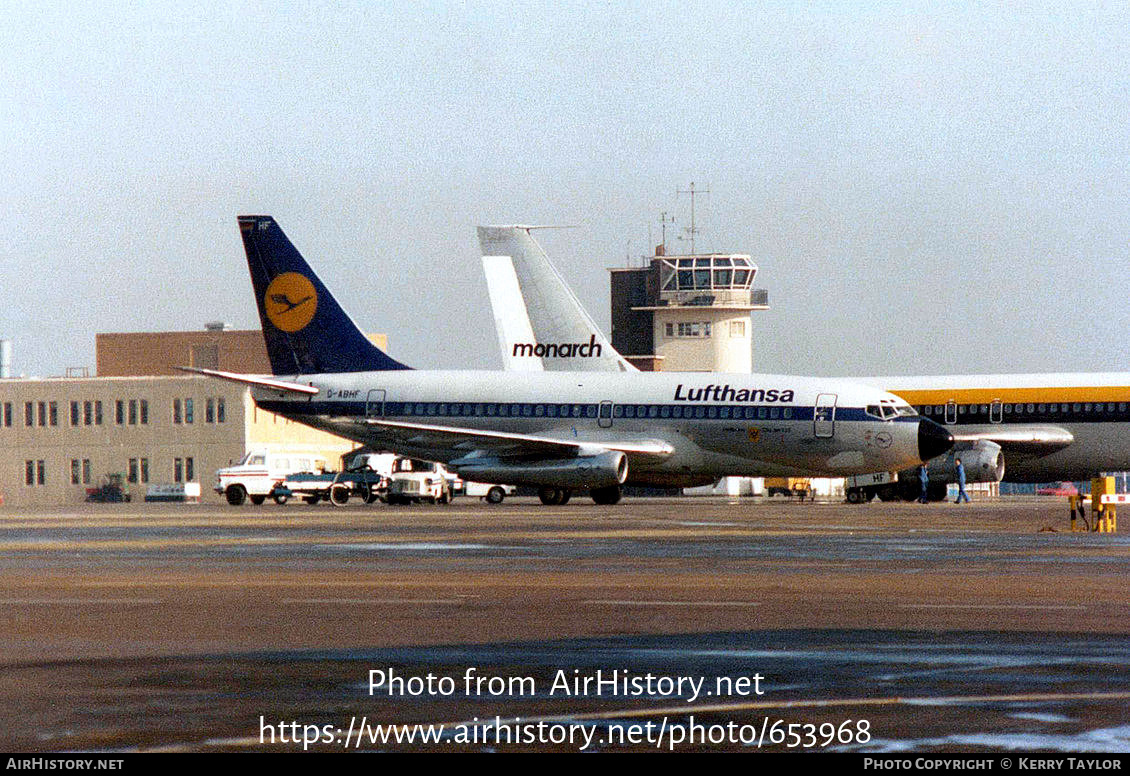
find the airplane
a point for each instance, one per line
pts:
(558, 431)
(1045, 426)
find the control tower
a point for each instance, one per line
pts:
(687, 313)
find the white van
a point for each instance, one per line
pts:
(256, 476)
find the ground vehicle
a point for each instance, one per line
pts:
(490, 493)
(364, 475)
(1059, 489)
(113, 489)
(801, 487)
(259, 473)
(413, 481)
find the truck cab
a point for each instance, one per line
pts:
(413, 480)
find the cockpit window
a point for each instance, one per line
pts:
(888, 409)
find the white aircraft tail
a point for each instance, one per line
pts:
(511, 319)
(556, 333)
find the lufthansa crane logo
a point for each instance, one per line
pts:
(290, 302)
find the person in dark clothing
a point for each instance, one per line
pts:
(923, 480)
(959, 471)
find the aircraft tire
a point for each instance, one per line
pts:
(551, 497)
(606, 496)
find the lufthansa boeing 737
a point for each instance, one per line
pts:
(558, 431)
(1046, 426)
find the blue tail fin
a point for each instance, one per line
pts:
(305, 328)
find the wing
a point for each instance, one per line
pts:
(256, 381)
(1022, 441)
(447, 443)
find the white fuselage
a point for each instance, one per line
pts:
(713, 424)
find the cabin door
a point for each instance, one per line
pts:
(604, 418)
(824, 416)
(375, 403)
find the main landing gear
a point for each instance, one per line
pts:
(557, 496)
(553, 497)
(609, 495)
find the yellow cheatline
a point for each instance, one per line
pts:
(290, 302)
(1105, 393)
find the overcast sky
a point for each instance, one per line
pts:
(927, 188)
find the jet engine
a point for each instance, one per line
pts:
(982, 459)
(601, 470)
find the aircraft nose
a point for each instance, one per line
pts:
(933, 440)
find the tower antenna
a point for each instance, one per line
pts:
(692, 230)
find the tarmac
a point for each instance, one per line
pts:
(646, 625)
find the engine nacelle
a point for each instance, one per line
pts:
(592, 471)
(983, 462)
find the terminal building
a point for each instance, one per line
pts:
(143, 418)
(687, 313)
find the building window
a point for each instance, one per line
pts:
(87, 413)
(53, 413)
(8, 414)
(76, 471)
(209, 410)
(35, 472)
(42, 407)
(138, 470)
(184, 470)
(188, 411)
(119, 412)
(133, 412)
(176, 411)
(220, 416)
(670, 329)
(85, 471)
(29, 413)
(98, 413)
(737, 328)
(74, 413)
(144, 412)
